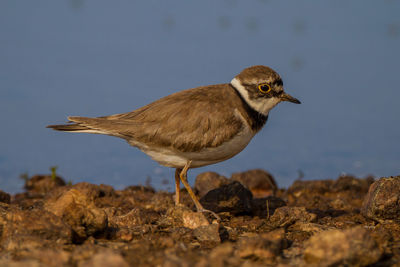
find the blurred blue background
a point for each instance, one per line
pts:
(92, 58)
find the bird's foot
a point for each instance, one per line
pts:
(211, 212)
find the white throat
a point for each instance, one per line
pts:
(262, 105)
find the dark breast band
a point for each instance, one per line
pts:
(256, 119)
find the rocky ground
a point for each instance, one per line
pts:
(342, 222)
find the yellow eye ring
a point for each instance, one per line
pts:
(264, 88)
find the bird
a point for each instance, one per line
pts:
(194, 127)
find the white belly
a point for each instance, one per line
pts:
(177, 159)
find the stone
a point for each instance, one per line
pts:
(208, 181)
(285, 216)
(300, 188)
(91, 191)
(351, 183)
(42, 184)
(79, 211)
(266, 246)
(350, 247)
(261, 183)
(383, 200)
(208, 233)
(233, 198)
(27, 229)
(310, 194)
(265, 207)
(194, 220)
(181, 216)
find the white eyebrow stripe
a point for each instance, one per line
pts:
(262, 105)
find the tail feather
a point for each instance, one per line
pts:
(76, 127)
(88, 125)
(68, 127)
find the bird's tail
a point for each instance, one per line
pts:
(74, 126)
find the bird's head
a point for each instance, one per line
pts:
(262, 88)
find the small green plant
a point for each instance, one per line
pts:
(53, 170)
(69, 183)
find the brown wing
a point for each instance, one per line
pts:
(187, 121)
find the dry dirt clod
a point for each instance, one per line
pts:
(208, 233)
(261, 183)
(79, 211)
(383, 200)
(29, 229)
(350, 183)
(181, 216)
(351, 247)
(285, 216)
(266, 247)
(42, 184)
(194, 220)
(233, 198)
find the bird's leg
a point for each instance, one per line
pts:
(177, 186)
(183, 176)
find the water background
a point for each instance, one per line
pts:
(92, 58)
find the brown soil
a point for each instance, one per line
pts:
(347, 222)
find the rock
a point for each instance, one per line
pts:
(182, 216)
(208, 181)
(386, 234)
(300, 188)
(106, 258)
(91, 191)
(261, 183)
(42, 184)
(27, 229)
(194, 220)
(161, 201)
(4, 197)
(285, 216)
(208, 233)
(310, 194)
(78, 210)
(351, 247)
(383, 200)
(233, 198)
(265, 207)
(351, 183)
(267, 246)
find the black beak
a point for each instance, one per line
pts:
(287, 97)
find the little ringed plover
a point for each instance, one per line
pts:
(195, 127)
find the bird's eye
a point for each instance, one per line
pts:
(264, 88)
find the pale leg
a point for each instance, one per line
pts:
(183, 176)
